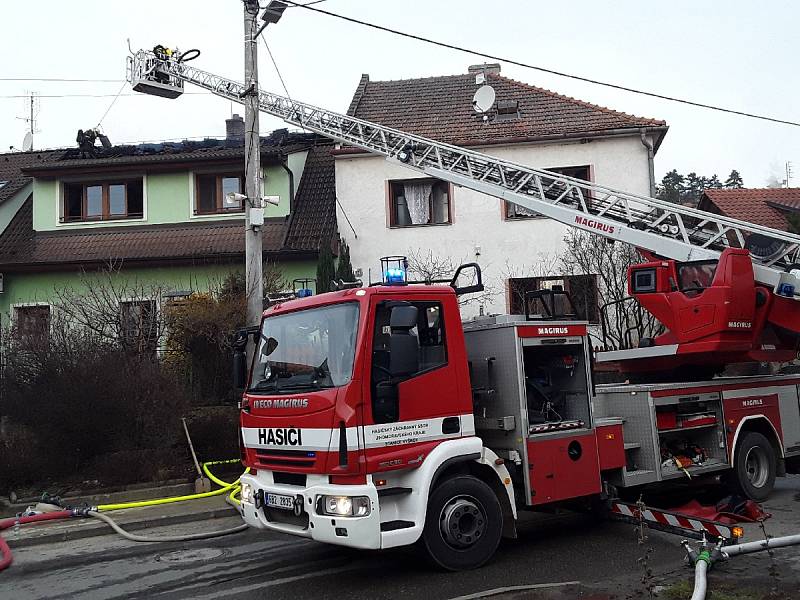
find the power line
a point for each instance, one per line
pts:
(274, 64)
(544, 69)
(61, 79)
(132, 95)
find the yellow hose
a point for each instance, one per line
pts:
(233, 488)
(216, 479)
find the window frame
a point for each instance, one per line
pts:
(507, 206)
(16, 308)
(138, 338)
(391, 205)
(219, 198)
(512, 298)
(105, 202)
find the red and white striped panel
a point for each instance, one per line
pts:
(673, 519)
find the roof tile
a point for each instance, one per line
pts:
(441, 108)
(754, 205)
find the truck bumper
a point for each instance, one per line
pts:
(355, 532)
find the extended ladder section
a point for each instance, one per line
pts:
(663, 228)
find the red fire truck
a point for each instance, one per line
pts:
(374, 418)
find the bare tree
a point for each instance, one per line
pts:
(589, 254)
(544, 264)
(429, 267)
(114, 308)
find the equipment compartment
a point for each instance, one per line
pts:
(697, 441)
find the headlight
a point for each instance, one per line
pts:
(247, 493)
(345, 506)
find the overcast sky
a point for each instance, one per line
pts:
(737, 54)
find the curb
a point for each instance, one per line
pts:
(96, 528)
(132, 495)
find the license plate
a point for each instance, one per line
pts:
(280, 501)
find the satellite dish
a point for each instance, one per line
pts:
(483, 100)
(27, 142)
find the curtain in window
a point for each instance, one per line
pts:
(417, 198)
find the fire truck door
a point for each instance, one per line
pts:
(416, 410)
(563, 467)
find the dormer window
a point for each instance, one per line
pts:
(103, 200)
(211, 190)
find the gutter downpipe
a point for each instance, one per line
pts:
(648, 143)
(284, 162)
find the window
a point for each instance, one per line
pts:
(419, 202)
(211, 191)
(581, 288)
(307, 350)
(138, 329)
(103, 201)
(429, 332)
(513, 211)
(33, 322)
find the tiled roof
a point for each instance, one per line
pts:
(11, 165)
(441, 108)
(19, 246)
(313, 221)
(755, 205)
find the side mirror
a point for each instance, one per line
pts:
(239, 369)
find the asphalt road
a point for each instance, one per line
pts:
(550, 549)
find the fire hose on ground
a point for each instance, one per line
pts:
(708, 557)
(47, 511)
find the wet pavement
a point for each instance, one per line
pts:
(551, 549)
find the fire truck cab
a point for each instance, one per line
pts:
(374, 418)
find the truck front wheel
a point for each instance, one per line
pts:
(463, 524)
(754, 467)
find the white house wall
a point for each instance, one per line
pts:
(507, 247)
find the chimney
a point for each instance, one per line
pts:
(234, 128)
(484, 68)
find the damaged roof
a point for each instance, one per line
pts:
(441, 108)
(170, 155)
(312, 223)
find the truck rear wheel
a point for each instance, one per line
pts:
(463, 524)
(754, 467)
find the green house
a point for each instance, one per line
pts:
(155, 215)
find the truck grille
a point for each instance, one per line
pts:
(301, 459)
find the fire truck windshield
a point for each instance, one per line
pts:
(306, 350)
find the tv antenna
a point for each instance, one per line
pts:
(30, 119)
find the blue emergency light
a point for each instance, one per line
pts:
(301, 287)
(395, 270)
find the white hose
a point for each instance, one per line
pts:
(166, 538)
(758, 546)
(700, 582)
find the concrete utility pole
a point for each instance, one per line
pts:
(252, 171)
